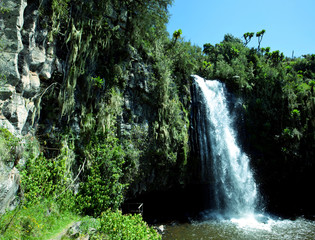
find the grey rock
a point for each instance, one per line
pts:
(74, 231)
(9, 186)
(4, 123)
(6, 92)
(26, 58)
(46, 71)
(15, 111)
(30, 84)
(9, 67)
(11, 41)
(37, 58)
(10, 38)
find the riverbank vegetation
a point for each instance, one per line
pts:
(81, 163)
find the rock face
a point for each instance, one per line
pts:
(29, 66)
(26, 58)
(9, 186)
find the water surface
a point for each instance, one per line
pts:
(243, 229)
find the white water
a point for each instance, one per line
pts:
(234, 215)
(234, 189)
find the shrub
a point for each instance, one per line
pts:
(8, 146)
(103, 187)
(44, 178)
(114, 225)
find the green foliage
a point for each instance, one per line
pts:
(3, 9)
(208, 48)
(186, 60)
(260, 36)
(60, 8)
(114, 225)
(99, 36)
(177, 34)
(39, 221)
(98, 82)
(295, 113)
(46, 221)
(248, 36)
(9, 147)
(102, 187)
(169, 148)
(147, 21)
(48, 177)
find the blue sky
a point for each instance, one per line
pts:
(289, 24)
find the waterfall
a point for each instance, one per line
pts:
(223, 164)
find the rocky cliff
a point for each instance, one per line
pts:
(50, 68)
(26, 60)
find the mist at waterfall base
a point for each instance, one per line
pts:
(235, 208)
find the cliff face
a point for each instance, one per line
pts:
(48, 85)
(27, 59)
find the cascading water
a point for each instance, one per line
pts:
(222, 161)
(225, 168)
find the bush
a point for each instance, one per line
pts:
(102, 187)
(44, 178)
(114, 225)
(9, 149)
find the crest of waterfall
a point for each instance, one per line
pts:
(223, 163)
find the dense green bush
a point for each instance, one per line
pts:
(114, 225)
(102, 186)
(9, 147)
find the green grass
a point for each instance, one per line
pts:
(47, 221)
(42, 221)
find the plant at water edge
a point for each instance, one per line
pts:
(116, 226)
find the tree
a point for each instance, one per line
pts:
(208, 48)
(260, 36)
(248, 36)
(177, 34)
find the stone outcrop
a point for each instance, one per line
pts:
(9, 186)
(26, 59)
(29, 66)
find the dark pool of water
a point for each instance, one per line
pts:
(242, 229)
